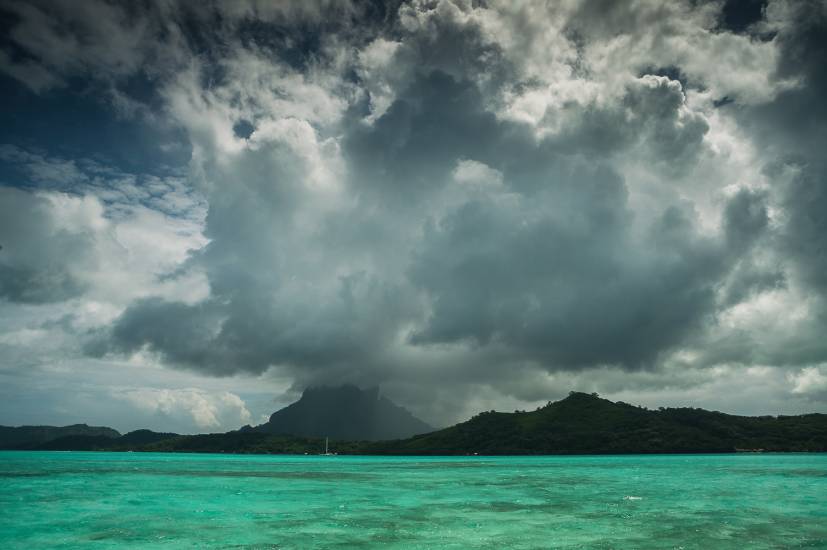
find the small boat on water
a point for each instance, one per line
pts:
(326, 450)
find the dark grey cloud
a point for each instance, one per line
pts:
(568, 285)
(551, 266)
(745, 219)
(791, 132)
(412, 148)
(246, 332)
(798, 121)
(40, 260)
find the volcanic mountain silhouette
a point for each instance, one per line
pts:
(345, 413)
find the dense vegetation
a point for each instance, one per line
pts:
(586, 424)
(29, 437)
(579, 424)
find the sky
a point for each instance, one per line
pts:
(206, 207)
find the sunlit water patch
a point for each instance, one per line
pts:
(136, 500)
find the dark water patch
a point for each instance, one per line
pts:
(119, 534)
(24, 474)
(318, 476)
(440, 465)
(321, 476)
(257, 546)
(792, 472)
(542, 482)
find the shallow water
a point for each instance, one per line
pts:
(137, 500)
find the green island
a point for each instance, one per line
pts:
(579, 424)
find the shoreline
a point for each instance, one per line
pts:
(430, 455)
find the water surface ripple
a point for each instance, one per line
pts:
(139, 500)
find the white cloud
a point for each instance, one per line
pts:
(381, 74)
(208, 410)
(73, 258)
(809, 380)
(472, 172)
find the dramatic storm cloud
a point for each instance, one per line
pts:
(208, 207)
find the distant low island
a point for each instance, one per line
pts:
(579, 424)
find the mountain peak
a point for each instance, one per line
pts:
(581, 395)
(581, 399)
(344, 391)
(344, 412)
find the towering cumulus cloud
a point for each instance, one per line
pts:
(471, 204)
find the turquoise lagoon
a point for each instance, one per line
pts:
(144, 500)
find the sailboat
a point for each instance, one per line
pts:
(326, 451)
